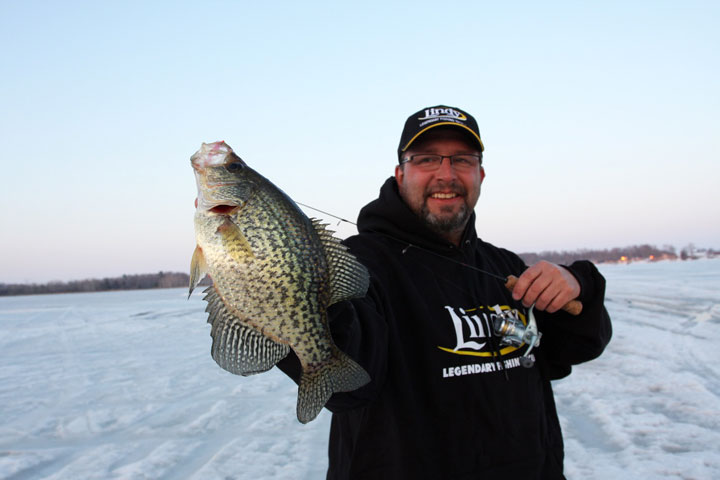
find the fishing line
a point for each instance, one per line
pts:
(410, 245)
(327, 213)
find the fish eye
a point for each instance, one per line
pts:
(234, 167)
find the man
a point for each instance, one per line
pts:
(448, 398)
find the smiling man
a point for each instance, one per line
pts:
(439, 178)
(450, 398)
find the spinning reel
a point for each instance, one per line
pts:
(513, 332)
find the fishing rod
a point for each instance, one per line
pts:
(573, 307)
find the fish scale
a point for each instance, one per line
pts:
(275, 272)
(288, 265)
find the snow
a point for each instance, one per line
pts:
(650, 406)
(121, 385)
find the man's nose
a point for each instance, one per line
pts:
(446, 169)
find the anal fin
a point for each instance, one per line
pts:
(237, 347)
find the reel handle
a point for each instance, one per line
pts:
(573, 307)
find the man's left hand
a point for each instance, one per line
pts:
(547, 285)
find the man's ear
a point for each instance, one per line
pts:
(399, 174)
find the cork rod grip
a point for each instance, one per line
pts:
(573, 307)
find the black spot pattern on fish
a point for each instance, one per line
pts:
(276, 272)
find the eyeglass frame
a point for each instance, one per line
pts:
(442, 157)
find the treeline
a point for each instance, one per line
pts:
(174, 279)
(632, 253)
(126, 282)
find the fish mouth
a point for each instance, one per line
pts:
(223, 209)
(215, 206)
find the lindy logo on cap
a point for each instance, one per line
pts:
(438, 113)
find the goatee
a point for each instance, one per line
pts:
(444, 225)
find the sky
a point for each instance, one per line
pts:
(600, 120)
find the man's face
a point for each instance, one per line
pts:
(444, 198)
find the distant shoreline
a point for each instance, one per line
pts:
(125, 282)
(635, 253)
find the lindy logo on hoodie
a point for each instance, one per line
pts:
(473, 327)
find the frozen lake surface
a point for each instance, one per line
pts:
(121, 385)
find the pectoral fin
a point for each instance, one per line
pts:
(235, 243)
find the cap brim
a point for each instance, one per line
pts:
(452, 124)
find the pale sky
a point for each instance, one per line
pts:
(600, 119)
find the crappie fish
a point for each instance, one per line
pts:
(274, 272)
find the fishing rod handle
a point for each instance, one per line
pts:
(573, 307)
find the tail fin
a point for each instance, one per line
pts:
(341, 374)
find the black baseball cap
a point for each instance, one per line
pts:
(438, 116)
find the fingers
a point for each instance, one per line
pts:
(553, 301)
(529, 285)
(546, 285)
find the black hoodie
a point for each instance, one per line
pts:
(447, 400)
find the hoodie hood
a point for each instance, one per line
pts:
(390, 215)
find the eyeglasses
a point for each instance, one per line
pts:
(429, 162)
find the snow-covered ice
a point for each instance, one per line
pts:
(650, 406)
(121, 385)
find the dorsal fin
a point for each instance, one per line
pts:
(237, 347)
(348, 277)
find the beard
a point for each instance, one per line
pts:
(445, 221)
(445, 224)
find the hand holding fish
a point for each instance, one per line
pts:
(547, 285)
